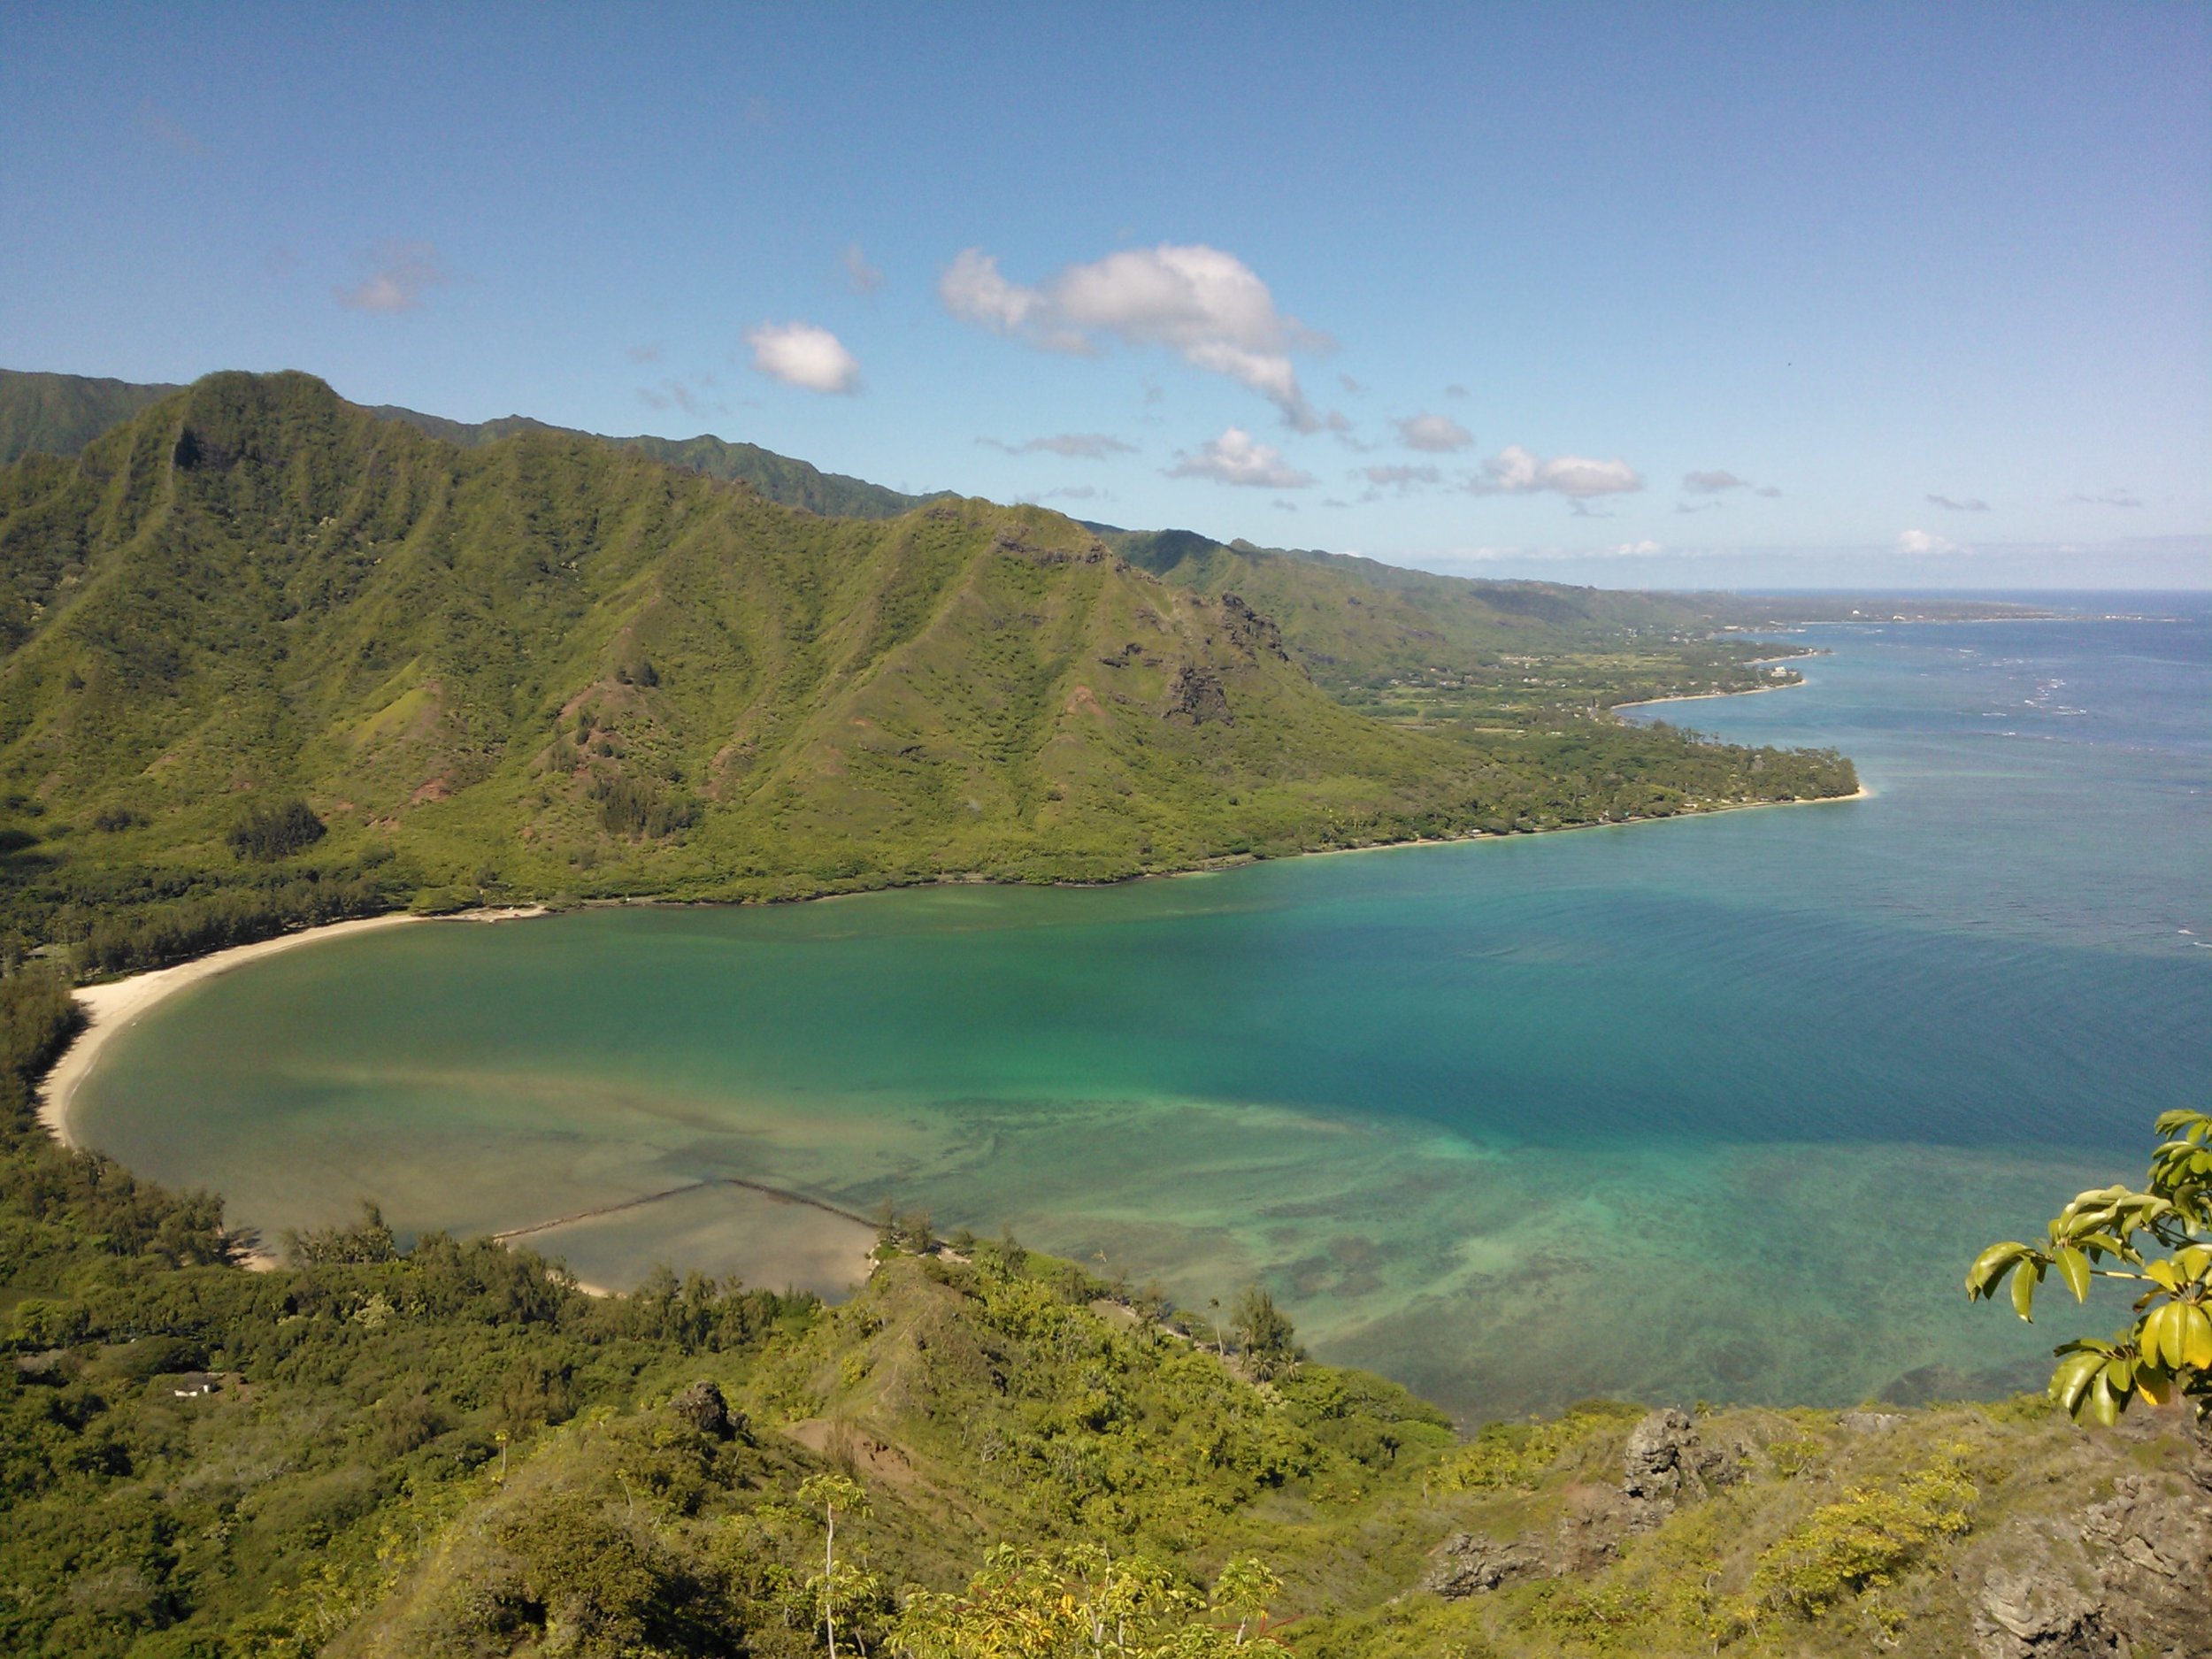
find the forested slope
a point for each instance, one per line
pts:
(1410, 644)
(259, 642)
(780, 477)
(1397, 644)
(58, 414)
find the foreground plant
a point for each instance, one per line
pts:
(834, 1495)
(2163, 1237)
(1082, 1603)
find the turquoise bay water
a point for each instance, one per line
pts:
(1715, 1107)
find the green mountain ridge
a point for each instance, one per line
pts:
(25, 399)
(779, 477)
(58, 414)
(546, 665)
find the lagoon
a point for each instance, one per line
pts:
(1715, 1107)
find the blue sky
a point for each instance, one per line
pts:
(1753, 296)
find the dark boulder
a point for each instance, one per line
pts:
(1196, 695)
(703, 1406)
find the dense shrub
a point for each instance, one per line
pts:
(628, 806)
(1863, 1541)
(121, 939)
(276, 830)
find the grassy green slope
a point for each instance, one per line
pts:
(1402, 645)
(546, 665)
(780, 477)
(58, 414)
(1410, 643)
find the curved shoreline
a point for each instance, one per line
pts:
(112, 1008)
(1746, 691)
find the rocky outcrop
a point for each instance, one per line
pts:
(1465, 1566)
(2131, 1578)
(1196, 695)
(1258, 634)
(1592, 1521)
(1667, 1464)
(1871, 1422)
(1128, 654)
(703, 1406)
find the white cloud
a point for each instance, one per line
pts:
(1921, 541)
(1403, 476)
(1634, 550)
(1971, 504)
(399, 272)
(1076, 446)
(1513, 471)
(1236, 457)
(802, 355)
(972, 290)
(2108, 498)
(1439, 433)
(1205, 305)
(1713, 483)
(865, 278)
(674, 393)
